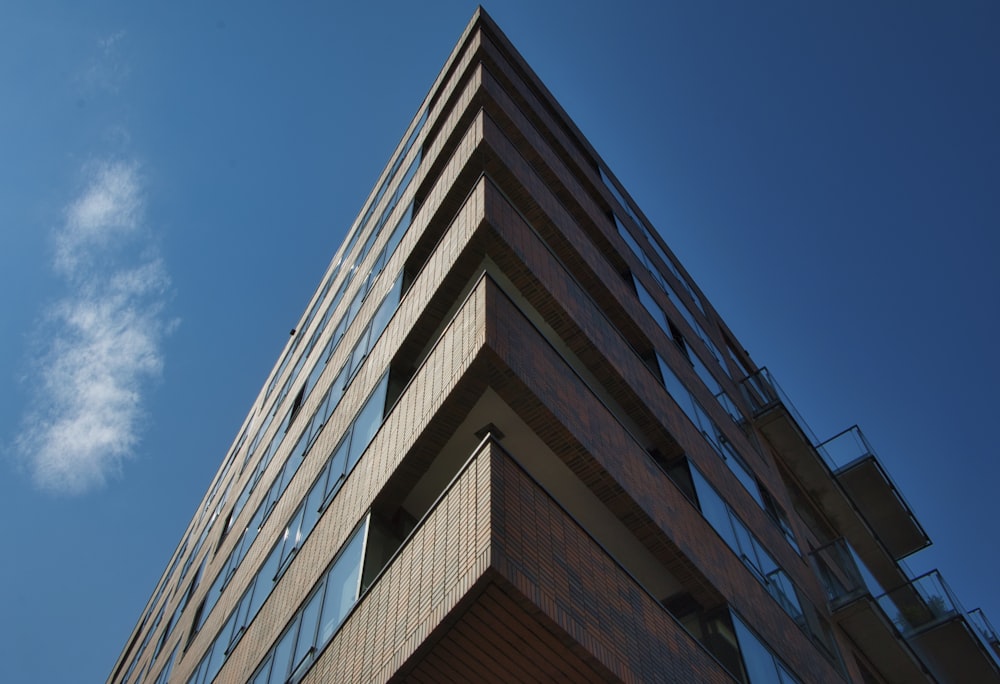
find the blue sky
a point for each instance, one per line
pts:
(175, 180)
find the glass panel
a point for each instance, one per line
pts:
(339, 332)
(739, 468)
(310, 509)
(399, 232)
(646, 299)
(310, 434)
(291, 540)
(385, 310)
(337, 390)
(703, 421)
(747, 548)
(197, 676)
(359, 353)
(352, 311)
(777, 513)
(784, 591)
(630, 241)
(714, 509)
(270, 568)
(759, 663)
(676, 389)
(215, 660)
(366, 424)
(786, 677)
(338, 461)
(282, 656)
(298, 451)
(263, 673)
(341, 588)
(734, 412)
(211, 598)
(706, 376)
(307, 628)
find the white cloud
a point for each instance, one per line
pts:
(102, 342)
(109, 209)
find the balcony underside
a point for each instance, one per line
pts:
(874, 635)
(874, 494)
(806, 465)
(954, 654)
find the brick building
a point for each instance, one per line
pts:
(510, 440)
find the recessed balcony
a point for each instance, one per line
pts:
(950, 641)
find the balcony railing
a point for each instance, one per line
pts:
(862, 475)
(915, 628)
(847, 460)
(956, 645)
(850, 590)
(922, 603)
(843, 575)
(763, 393)
(986, 632)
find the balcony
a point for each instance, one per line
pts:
(986, 632)
(866, 481)
(851, 590)
(951, 642)
(844, 476)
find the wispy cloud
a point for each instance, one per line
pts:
(107, 211)
(102, 341)
(106, 71)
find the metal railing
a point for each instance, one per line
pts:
(843, 574)
(984, 630)
(921, 603)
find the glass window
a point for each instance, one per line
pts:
(311, 507)
(630, 241)
(260, 589)
(359, 353)
(341, 587)
(282, 656)
(299, 450)
(366, 424)
(290, 543)
(713, 508)
(352, 310)
(306, 641)
(217, 657)
(705, 375)
(646, 299)
(386, 309)
(399, 232)
(165, 673)
(338, 463)
(777, 513)
(762, 666)
(675, 388)
(263, 672)
(730, 407)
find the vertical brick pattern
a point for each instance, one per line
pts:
(537, 383)
(420, 588)
(563, 574)
(433, 383)
(584, 328)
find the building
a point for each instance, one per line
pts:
(510, 440)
